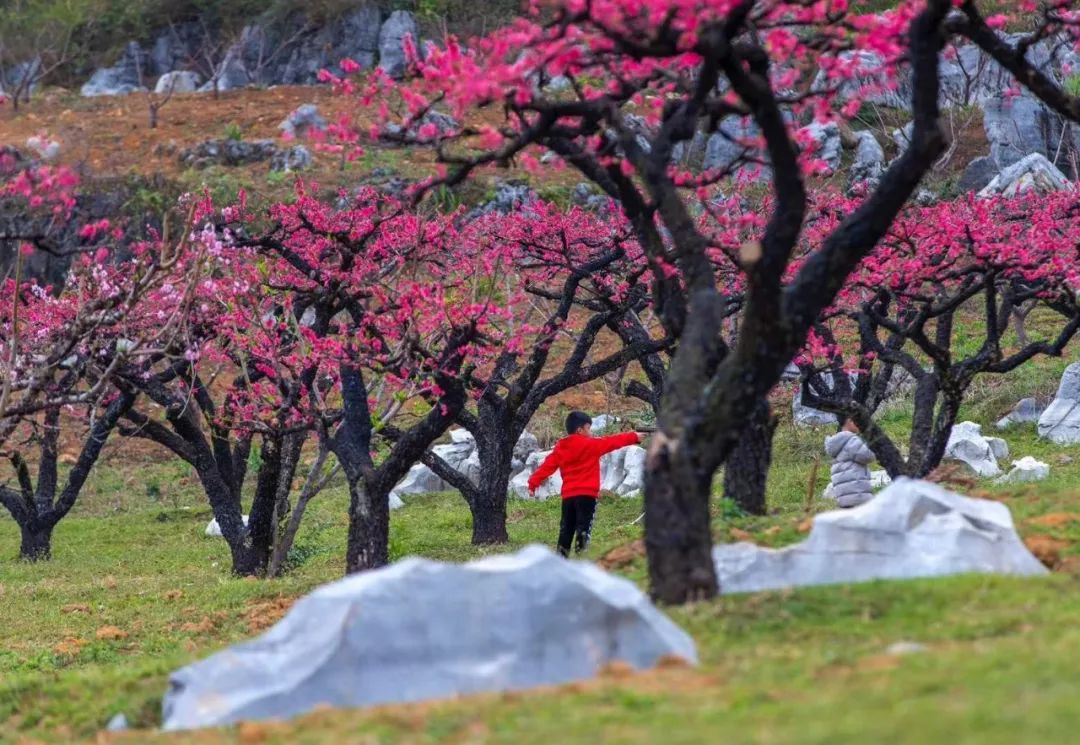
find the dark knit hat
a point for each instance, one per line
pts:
(576, 421)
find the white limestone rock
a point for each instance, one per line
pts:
(519, 485)
(999, 448)
(422, 629)
(1026, 470)
(967, 444)
(879, 480)
(1026, 411)
(213, 530)
(178, 81)
(1033, 173)
(911, 529)
(1061, 420)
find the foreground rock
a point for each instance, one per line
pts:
(967, 445)
(501, 623)
(1026, 470)
(1026, 411)
(1061, 420)
(912, 529)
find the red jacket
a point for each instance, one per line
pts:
(577, 459)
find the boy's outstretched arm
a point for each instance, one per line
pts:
(605, 445)
(541, 474)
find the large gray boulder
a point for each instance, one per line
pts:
(354, 35)
(978, 174)
(519, 484)
(302, 120)
(967, 445)
(125, 77)
(826, 144)
(178, 81)
(176, 47)
(295, 158)
(911, 529)
(422, 629)
(1026, 411)
(1031, 174)
(623, 472)
(868, 82)
(510, 196)
(1061, 420)
(731, 146)
(1016, 126)
(461, 455)
(400, 24)
(25, 76)
(869, 163)
(293, 51)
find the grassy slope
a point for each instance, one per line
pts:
(803, 667)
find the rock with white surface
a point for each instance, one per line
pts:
(911, 529)
(421, 629)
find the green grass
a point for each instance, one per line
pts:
(808, 666)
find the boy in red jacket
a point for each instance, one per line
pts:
(577, 459)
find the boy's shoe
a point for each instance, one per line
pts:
(582, 543)
(565, 553)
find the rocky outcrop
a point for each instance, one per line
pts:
(1061, 420)
(302, 120)
(621, 473)
(1031, 174)
(978, 174)
(869, 163)
(392, 35)
(462, 455)
(228, 152)
(295, 158)
(825, 143)
(128, 75)
(509, 196)
(422, 629)
(911, 529)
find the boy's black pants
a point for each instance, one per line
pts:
(577, 517)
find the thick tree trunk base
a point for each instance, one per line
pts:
(747, 468)
(35, 545)
(369, 530)
(489, 524)
(678, 537)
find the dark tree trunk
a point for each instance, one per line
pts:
(488, 504)
(369, 529)
(678, 528)
(259, 538)
(36, 544)
(747, 468)
(489, 520)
